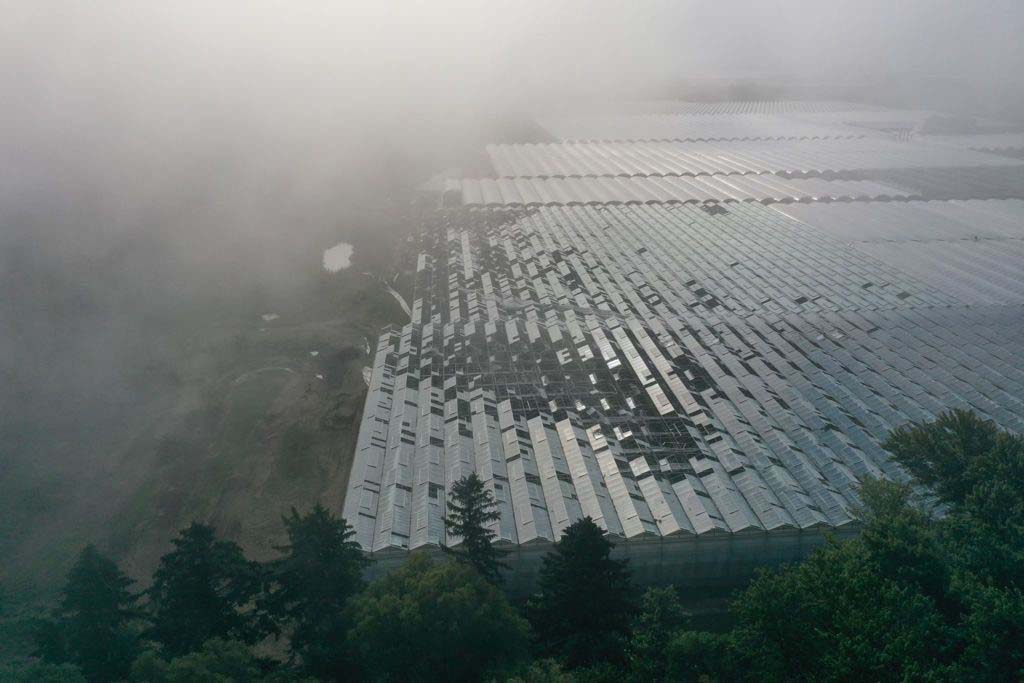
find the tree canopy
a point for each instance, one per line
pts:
(932, 589)
(956, 453)
(310, 586)
(661, 615)
(583, 609)
(217, 661)
(203, 589)
(916, 596)
(92, 626)
(427, 622)
(471, 511)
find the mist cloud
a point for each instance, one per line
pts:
(145, 146)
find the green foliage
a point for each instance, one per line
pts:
(902, 542)
(311, 585)
(993, 631)
(203, 589)
(582, 612)
(914, 597)
(660, 617)
(541, 671)
(979, 471)
(700, 656)
(41, 672)
(601, 672)
(219, 661)
(471, 509)
(425, 622)
(91, 626)
(20, 615)
(836, 615)
(946, 455)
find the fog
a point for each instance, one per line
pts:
(158, 158)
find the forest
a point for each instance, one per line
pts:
(931, 590)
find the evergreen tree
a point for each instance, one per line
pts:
(203, 589)
(471, 509)
(427, 622)
(311, 586)
(583, 610)
(91, 628)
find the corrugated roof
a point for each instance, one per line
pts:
(978, 182)
(622, 330)
(669, 370)
(974, 250)
(765, 188)
(719, 158)
(689, 128)
(729, 107)
(983, 142)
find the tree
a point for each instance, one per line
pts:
(979, 472)
(701, 656)
(661, 616)
(583, 610)
(426, 622)
(901, 540)
(471, 508)
(203, 589)
(541, 671)
(41, 672)
(835, 616)
(218, 661)
(993, 634)
(91, 628)
(867, 609)
(916, 596)
(311, 585)
(985, 537)
(944, 454)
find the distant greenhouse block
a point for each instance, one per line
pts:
(737, 157)
(627, 331)
(667, 371)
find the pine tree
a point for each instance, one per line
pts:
(583, 610)
(471, 508)
(311, 586)
(203, 589)
(91, 628)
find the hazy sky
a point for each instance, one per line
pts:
(112, 88)
(141, 75)
(201, 125)
(119, 58)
